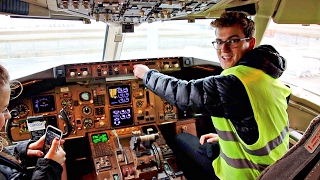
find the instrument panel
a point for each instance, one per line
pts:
(99, 96)
(93, 107)
(114, 118)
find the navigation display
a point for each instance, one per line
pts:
(101, 137)
(43, 104)
(121, 117)
(119, 94)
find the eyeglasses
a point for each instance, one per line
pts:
(5, 111)
(232, 43)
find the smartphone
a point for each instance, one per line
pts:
(51, 133)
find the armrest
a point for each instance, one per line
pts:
(295, 135)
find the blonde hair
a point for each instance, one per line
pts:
(4, 80)
(10, 157)
(4, 76)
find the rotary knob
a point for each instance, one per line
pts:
(116, 70)
(72, 74)
(85, 73)
(176, 65)
(166, 66)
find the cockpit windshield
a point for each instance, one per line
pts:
(171, 38)
(29, 45)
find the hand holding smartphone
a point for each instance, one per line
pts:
(51, 133)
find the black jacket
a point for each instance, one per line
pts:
(220, 96)
(46, 169)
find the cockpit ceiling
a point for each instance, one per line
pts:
(125, 11)
(117, 12)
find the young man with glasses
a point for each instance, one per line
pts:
(247, 104)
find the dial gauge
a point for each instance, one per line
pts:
(87, 122)
(85, 96)
(66, 104)
(86, 110)
(139, 103)
(168, 108)
(22, 109)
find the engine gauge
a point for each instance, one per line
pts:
(22, 109)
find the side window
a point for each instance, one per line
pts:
(300, 46)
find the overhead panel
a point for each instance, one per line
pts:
(135, 12)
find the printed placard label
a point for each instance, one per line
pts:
(314, 141)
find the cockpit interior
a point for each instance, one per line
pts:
(114, 127)
(109, 118)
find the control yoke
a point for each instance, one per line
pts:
(68, 128)
(15, 114)
(9, 124)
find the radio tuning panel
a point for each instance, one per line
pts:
(78, 72)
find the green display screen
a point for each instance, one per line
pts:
(97, 138)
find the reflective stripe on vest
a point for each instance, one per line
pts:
(230, 136)
(243, 163)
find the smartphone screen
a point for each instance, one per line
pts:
(51, 133)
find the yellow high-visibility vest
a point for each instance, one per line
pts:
(267, 96)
